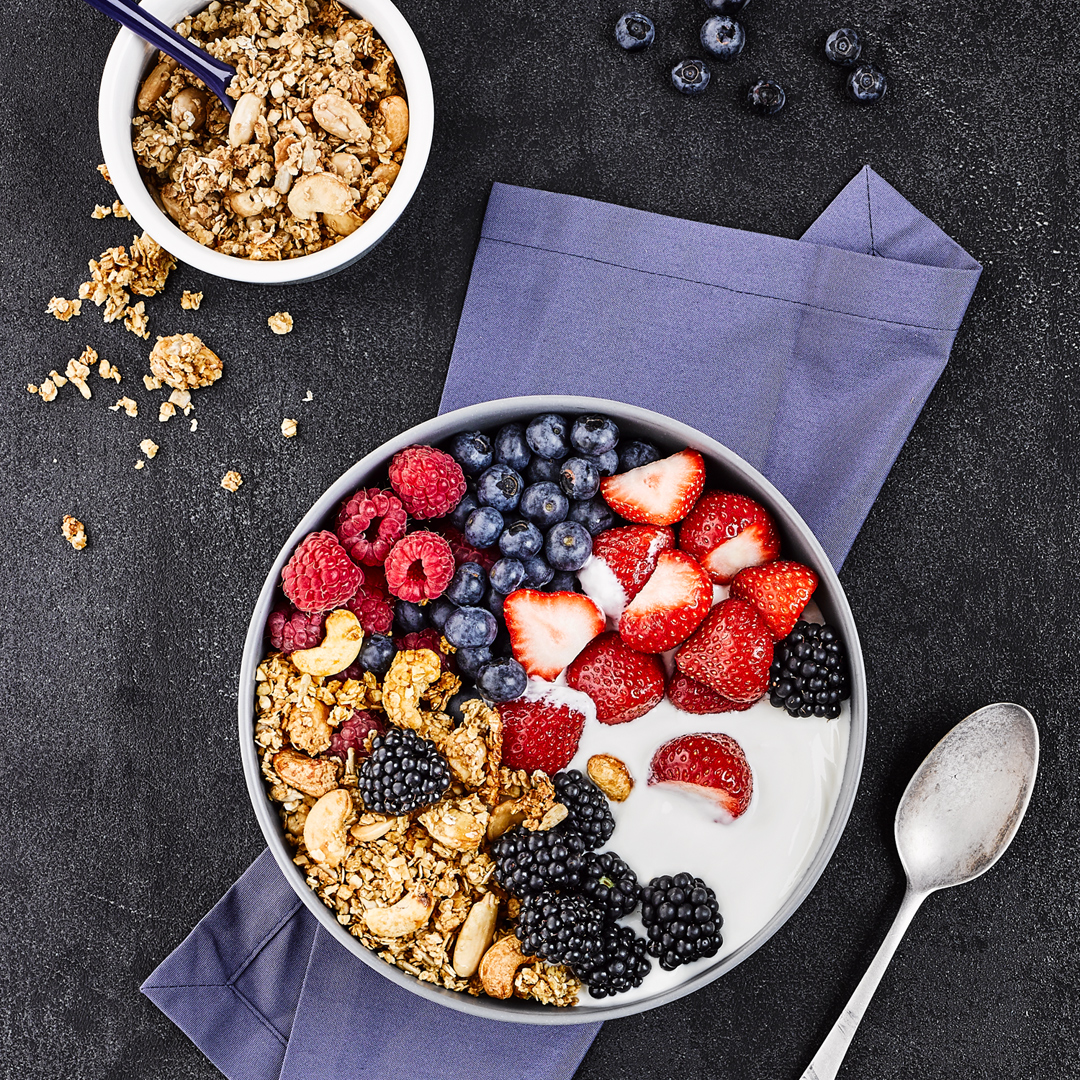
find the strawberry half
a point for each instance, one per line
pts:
(539, 735)
(708, 764)
(779, 590)
(629, 555)
(670, 607)
(690, 696)
(623, 684)
(731, 651)
(659, 493)
(726, 532)
(547, 630)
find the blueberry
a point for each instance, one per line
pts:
(866, 84)
(470, 661)
(580, 479)
(542, 470)
(544, 503)
(467, 585)
(607, 463)
(506, 575)
(726, 7)
(635, 453)
(503, 679)
(690, 77)
(766, 97)
(594, 434)
(460, 514)
(501, 488)
(594, 514)
(455, 706)
(549, 436)
(843, 47)
(537, 573)
(495, 602)
(471, 628)
(511, 448)
(634, 31)
(521, 539)
(412, 618)
(439, 611)
(472, 451)
(377, 654)
(567, 546)
(722, 37)
(562, 581)
(483, 526)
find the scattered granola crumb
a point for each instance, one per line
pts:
(101, 212)
(151, 383)
(194, 425)
(129, 406)
(166, 412)
(31, 388)
(281, 322)
(137, 321)
(143, 271)
(288, 428)
(184, 362)
(140, 464)
(77, 370)
(190, 301)
(74, 532)
(107, 371)
(309, 396)
(63, 309)
(104, 170)
(57, 378)
(47, 390)
(182, 400)
(231, 480)
(120, 210)
(149, 447)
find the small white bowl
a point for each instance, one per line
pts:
(125, 69)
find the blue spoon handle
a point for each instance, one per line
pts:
(215, 73)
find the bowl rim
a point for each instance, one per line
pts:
(120, 80)
(490, 414)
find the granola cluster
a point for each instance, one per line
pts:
(419, 890)
(314, 143)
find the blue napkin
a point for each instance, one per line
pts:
(811, 358)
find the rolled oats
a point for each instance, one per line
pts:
(184, 362)
(63, 309)
(281, 322)
(232, 480)
(74, 532)
(149, 448)
(190, 301)
(129, 406)
(288, 428)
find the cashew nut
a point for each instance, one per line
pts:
(173, 207)
(503, 818)
(405, 917)
(247, 203)
(499, 966)
(155, 84)
(453, 828)
(395, 119)
(340, 646)
(245, 113)
(343, 224)
(475, 935)
(312, 776)
(339, 117)
(324, 828)
(192, 101)
(308, 725)
(320, 193)
(611, 776)
(362, 834)
(347, 166)
(385, 174)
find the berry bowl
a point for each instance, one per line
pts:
(514, 733)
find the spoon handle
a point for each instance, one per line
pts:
(827, 1060)
(215, 73)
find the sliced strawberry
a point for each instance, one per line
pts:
(731, 651)
(726, 532)
(547, 630)
(539, 734)
(630, 553)
(690, 696)
(659, 493)
(708, 764)
(671, 606)
(623, 684)
(779, 590)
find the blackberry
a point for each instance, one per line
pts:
(562, 930)
(623, 963)
(611, 884)
(682, 920)
(589, 812)
(403, 773)
(529, 863)
(809, 675)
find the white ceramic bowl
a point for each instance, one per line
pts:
(127, 65)
(726, 469)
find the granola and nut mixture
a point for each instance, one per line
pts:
(314, 143)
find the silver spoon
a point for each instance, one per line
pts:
(955, 819)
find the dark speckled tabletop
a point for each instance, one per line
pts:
(123, 809)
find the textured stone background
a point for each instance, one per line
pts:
(123, 812)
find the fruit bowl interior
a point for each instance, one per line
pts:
(725, 470)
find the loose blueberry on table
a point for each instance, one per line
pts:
(766, 97)
(866, 85)
(690, 77)
(413, 695)
(843, 47)
(722, 37)
(634, 31)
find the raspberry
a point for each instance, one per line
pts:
(320, 575)
(369, 523)
(424, 639)
(372, 604)
(419, 567)
(290, 629)
(429, 482)
(353, 734)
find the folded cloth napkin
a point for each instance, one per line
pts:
(811, 358)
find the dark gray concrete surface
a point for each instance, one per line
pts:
(122, 807)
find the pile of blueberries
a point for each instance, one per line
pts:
(723, 39)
